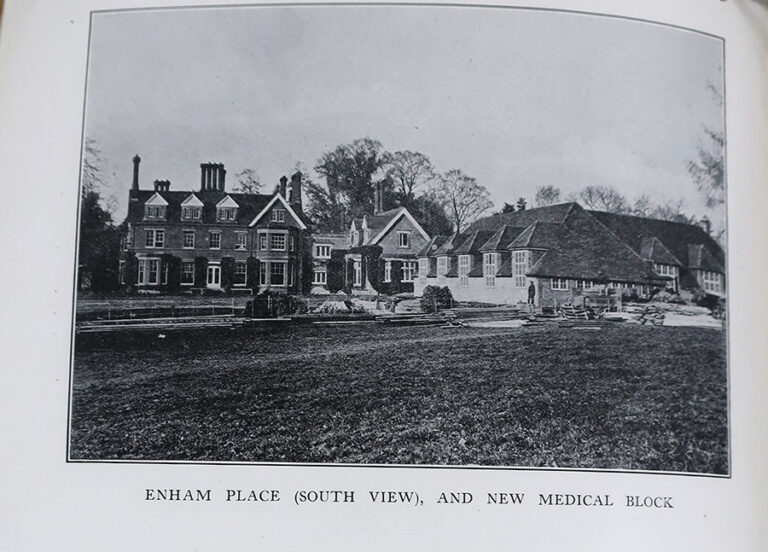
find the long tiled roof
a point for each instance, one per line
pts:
(474, 242)
(449, 245)
(249, 205)
(539, 235)
(432, 246)
(502, 237)
(523, 219)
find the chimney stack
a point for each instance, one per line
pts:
(706, 225)
(162, 185)
(296, 190)
(283, 184)
(136, 161)
(212, 177)
(378, 200)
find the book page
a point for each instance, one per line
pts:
(383, 276)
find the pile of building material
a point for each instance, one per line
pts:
(645, 315)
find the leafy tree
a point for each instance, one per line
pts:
(547, 195)
(408, 171)
(99, 245)
(462, 197)
(430, 215)
(521, 204)
(708, 170)
(247, 182)
(508, 208)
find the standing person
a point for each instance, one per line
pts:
(531, 293)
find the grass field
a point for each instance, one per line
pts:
(622, 397)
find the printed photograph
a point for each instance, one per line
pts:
(401, 235)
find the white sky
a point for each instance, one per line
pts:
(515, 98)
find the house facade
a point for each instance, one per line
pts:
(383, 250)
(565, 252)
(213, 239)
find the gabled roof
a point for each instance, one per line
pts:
(586, 249)
(279, 199)
(450, 244)
(156, 199)
(675, 236)
(539, 235)
(653, 250)
(473, 243)
(227, 201)
(501, 238)
(384, 222)
(192, 201)
(523, 219)
(699, 257)
(432, 246)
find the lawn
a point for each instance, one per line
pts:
(622, 397)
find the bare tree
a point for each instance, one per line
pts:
(604, 198)
(408, 171)
(546, 195)
(463, 199)
(247, 182)
(672, 211)
(643, 206)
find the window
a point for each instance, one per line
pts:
(464, 265)
(187, 272)
(121, 272)
(241, 240)
(559, 284)
(442, 268)
(190, 213)
(665, 270)
(387, 271)
(291, 243)
(277, 242)
(241, 270)
(149, 272)
(263, 274)
(712, 281)
(490, 267)
(155, 211)
(225, 213)
(323, 251)
(263, 242)
(404, 239)
(408, 271)
(358, 273)
(277, 273)
(320, 277)
(585, 284)
(520, 267)
(189, 239)
(355, 236)
(423, 268)
(155, 238)
(165, 274)
(214, 239)
(278, 215)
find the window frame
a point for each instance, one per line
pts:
(563, 284)
(387, 271)
(212, 233)
(273, 236)
(490, 268)
(191, 273)
(465, 266)
(185, 235)
(319, 248)
(403, 234)
(319, 281)
(277, 215)
(244, 245)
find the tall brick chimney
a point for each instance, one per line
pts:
(136, 161)
(378, 201)
(283, 184)
(296, 190)
(212, 177)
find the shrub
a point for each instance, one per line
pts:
(227, 272)
(270, 304)
(436, 298)
(252, 274)
(336, 270)
(201, 272)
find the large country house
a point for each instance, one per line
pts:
(211, 239)
(565, 250)
(214, 239)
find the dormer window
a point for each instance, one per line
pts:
(191, 213)
(278, 215)
(226, 213)
(155, 212)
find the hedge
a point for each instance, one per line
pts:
(252, 274)
(436, 298)
(201, 272)
(227, 272)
